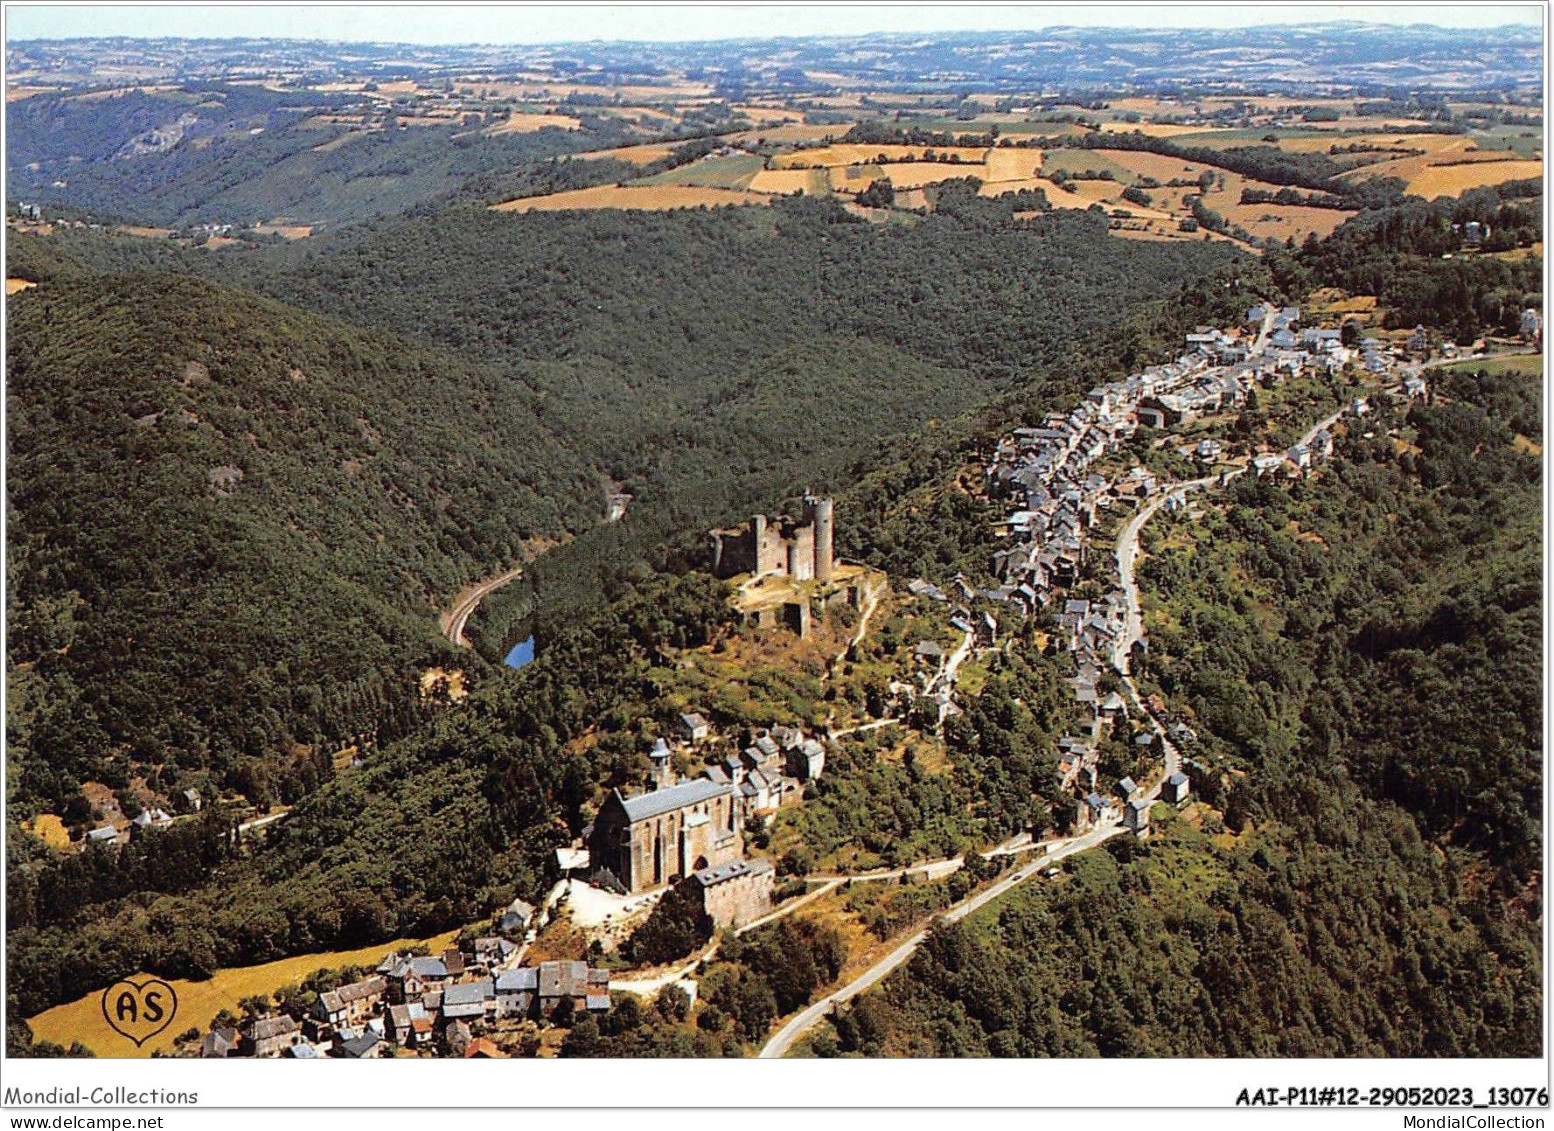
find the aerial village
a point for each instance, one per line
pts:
(685, 835)
(1052, 475)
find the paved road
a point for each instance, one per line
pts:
(1127, 556)
(1326, 422)
(779, 1045)
(458, 617)
(861, 727)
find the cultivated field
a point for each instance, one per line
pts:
(636, 154)
(525, 123)
(791, 133)
(290, 231)
(46, 826)
(828, 156)
(734, 171)
(1454, 180)
(647, 198)
(811, 182)
(15, 286)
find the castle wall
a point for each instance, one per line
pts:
(740, 900)
(784, 548)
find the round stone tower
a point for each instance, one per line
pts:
(820, 515)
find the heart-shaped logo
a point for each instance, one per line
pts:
(139, 1010)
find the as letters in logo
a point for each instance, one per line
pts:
(139, 1010)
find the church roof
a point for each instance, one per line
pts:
(660, 801)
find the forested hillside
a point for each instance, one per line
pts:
(231, 524)
(715, 361)
(1409, 255)
(1360, 654)
(240, 155)
(485, 792)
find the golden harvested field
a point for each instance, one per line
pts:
(1153, 104)
(1285, 221)
(902, 175)
(648, 198)
(520, 123)
(46, 826)
(199, 1002)
(1013, 164)
(1450, 165)
(1429, 142)
(290, 231)
(793, 132)
(1149, 129)
(762, 114)
(144, 233)
(1156, 165)
(16, 286)
(811, 182)
(1332, 301)
(846, 154)
(1519, 253)
(636, 154)
(1454, 180)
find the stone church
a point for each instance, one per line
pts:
(660, 837)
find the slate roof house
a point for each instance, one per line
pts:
(270, 1035)
(351, 1004)
(468, 1000)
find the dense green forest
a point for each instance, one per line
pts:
(230, 526)
(715, 361)
(1360, 654)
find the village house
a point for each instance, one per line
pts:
(517, 991)
(1135, 815)
(351, 1004)
(410, 978)
(572, 985)
(694, 728)
(493, 955)
(1176, 788)
(220, 1043)
(1095, 810)
(468, 1000)
(270, 1035)
(364, 1046)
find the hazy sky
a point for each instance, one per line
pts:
(550, 23)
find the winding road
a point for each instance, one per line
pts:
(457, 617)
(801, 1023)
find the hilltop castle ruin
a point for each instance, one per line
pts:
(785, 569)
(785, 547)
